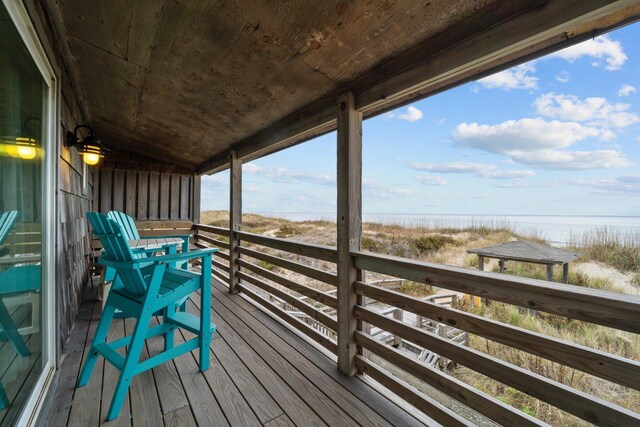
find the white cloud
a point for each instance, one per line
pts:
(601, 48)
(623, 184)
(518, 77)
(482, 170)
(539, 143)
(523, 135)
(512, 174)
(412, 114)
(284, 175)
(251, 168)
(453, 167)
(431, 180)
(215, 180)
(626, 90)
(575, 160)
(563, 77)
(381, 190)
(594, 111)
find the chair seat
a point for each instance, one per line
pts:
(174, 283)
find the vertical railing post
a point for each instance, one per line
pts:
(196, 183)
(235, 219)
(349, 223)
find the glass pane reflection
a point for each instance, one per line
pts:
(22, 103)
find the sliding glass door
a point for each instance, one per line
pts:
(25, 133)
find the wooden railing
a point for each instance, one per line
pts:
(284, 297)
(289, 300)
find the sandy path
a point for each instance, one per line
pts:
(620, 279)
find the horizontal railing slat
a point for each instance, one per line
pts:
(308, 309)
(424, 403)
(325, 253)
(211, 240)
(307, 330)
(619, 311)
(311, 272)
(463, 393)
(580, 404)
(220, 231)
(220, 266)
(604, 365)
(310, 292)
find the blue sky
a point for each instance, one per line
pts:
(556, 136)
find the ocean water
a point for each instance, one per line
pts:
(556, 229)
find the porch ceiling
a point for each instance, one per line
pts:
(187, 80)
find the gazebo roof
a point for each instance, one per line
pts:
(521, 250)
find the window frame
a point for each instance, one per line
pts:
(20, 18)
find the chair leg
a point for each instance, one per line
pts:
(99, 338)
(11, 331)
(130, 363)
(4, 400)
(169, 335)
(205, 314)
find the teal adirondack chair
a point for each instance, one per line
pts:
(131, 233)
(150, 286)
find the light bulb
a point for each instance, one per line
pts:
(26, 152)
(91, 158)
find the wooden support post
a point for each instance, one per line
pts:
(473, 300)
(565, 272)
(349, 174)
(398, 315)
(501, 265)
(442, 332)
(550, 272)
(196, 196)
(235, 220)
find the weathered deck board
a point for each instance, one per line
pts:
(261, 374)
(299, 370)
(143, 392)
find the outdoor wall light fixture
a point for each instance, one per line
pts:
(91, 148)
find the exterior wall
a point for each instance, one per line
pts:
(73, 198)
(74, 201)
(144, 188)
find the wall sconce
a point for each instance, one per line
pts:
(91, 148)
(23, 144)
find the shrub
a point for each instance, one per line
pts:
(287, 231)
(372, 245)
(433, 243)
(267, 265)
(471, 261)
(415, 289)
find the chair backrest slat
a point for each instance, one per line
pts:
(116, 248)
(7, 219)
(127, 223)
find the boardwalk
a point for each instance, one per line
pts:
(261, 374)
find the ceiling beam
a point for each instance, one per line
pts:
(549, 26)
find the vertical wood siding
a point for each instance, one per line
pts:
(145, 195)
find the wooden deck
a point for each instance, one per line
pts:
(261, 374)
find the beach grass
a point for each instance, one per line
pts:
(448, 245)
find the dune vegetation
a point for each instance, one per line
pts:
(610, 261)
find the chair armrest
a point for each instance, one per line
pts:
(163, 259)
(182, 256)
(169, 236)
